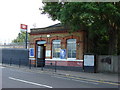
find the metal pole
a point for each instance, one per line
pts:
(55, 66)
(19, 62)
(29, 64)
(2, 62)
(10, 61)
(83, 64)
(26, 39)
(42, 67)
(36, 56)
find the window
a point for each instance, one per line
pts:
(71, 48)
(56, 46)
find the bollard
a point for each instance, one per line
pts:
(42, 66)
(2, 62)
(19, 62)
(55, 65)
(51, 64)
(10, 61)
(35, 64)
(29, 64)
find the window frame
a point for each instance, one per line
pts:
(53, 41)
(72, 49)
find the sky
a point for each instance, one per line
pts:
(16, 12)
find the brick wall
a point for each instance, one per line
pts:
(79, 36)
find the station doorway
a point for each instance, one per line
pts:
(40, 53)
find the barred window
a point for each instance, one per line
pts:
(56, 46)
(71, 48)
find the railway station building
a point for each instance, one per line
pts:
(56, 44)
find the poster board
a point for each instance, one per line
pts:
(89, 60)
(31, 52)
(48, 53)
(63, 54)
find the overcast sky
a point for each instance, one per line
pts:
(16, 12)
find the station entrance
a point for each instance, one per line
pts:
(40, 53)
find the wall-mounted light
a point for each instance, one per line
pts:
(48, 35)
(78, 44)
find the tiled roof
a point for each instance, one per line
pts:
(50, 29)
(57, 28)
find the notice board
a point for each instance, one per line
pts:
(63, 54)
(89, 60)
(31, 52)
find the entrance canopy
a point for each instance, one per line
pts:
(41, 42)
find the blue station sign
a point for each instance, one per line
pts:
(31, 52)
(63, 54)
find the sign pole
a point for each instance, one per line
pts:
(23, 28)
(26, 39)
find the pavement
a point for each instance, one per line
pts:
(102, 77)
(108, 77)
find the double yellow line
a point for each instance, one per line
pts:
(78, 78)
(98, 81)
(85, 79)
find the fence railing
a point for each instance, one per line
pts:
(44, 66)
(22, 63)
(49, 66)
(17, 62)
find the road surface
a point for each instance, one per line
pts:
(18, 78)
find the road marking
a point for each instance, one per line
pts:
(74, 80)
(2, 67)
(30, 82)
(70, 76)
(98, 81)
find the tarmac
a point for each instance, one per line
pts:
(101, 77)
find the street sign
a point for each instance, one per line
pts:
(23, 27)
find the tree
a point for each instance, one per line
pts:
(21, 38)
(101, 21)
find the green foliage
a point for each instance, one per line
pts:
(99, 18)
(21, 38)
